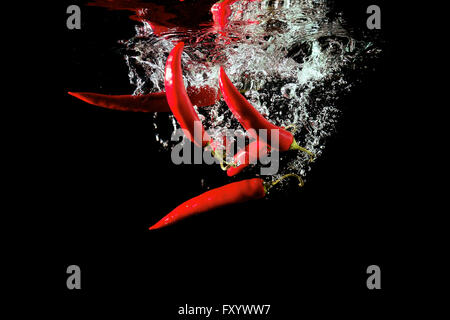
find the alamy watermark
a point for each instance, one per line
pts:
(209, 151)
(74, 19)
(74, 279)
(374, 20)
(374, 280)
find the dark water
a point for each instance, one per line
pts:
(107, 178)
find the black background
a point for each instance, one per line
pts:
(96, 183)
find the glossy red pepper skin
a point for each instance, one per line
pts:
(221, 12)
(248, 116)
(252, 152)
(158, 29)
(152, 102)
(236, 192)
(179, 102)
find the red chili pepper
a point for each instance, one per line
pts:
(250, 118)
(158, 29)
(178, 99)
(221, 12)
(235, 192)
(249, 154)
(153, 102)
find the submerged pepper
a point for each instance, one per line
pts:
(178, 99)
(152, 102)
(221, 12)
(252, 152)
(236, 192)
(251, 119)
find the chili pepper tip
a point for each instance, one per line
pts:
(235, 192)
(157, 225)
(80, 96)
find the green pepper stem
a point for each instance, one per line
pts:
(269, 186)
(224, 165)
(291, 127)
(295, 146)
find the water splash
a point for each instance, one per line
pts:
(290, 58)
